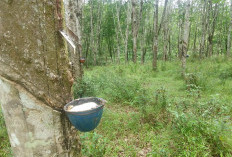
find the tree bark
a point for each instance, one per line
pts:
(228, 53)
(73, 29)
(163, 16)
(118, 31)
(99, 27)
(155, 41)
(203, 30)
(212, 27)
(36, 79)
(127, 31)
(135, 25)
(195, 40)
(180, 23)
(185, 36)
(92, 41)
(165, 31)
(143, 39)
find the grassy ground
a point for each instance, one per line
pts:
(159, 113)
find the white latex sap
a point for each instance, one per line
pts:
(84, 107)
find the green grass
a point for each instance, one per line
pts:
(5, 150)
(158, 113)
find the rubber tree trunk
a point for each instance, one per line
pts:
(213, 12)
(134, 20)
(204, 29)
(36, 80)
(155, 41)
(127, 31)
(143, 39)
(229, 33)
(185, 36)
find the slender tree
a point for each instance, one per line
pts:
(228, 52)
(155, 40)
(135, 25)
(143, 39)
(165, 30)
(127, 31)
(163, 16)
(213, 12)
(204, 28)
(92, 40)
(185, 36)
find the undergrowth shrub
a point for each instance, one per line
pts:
(157, 112)
(83, 88)
(196, 136)
(114, 87)
(93, 145)
(195, 81)
(225, 73)
(200, 130)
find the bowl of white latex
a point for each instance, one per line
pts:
(85, 113)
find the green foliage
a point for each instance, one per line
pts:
(225, 73)
(116, 86)
(94, 145)
(195, 81)
(156, 113)
(195, 135)
(155, 109)
(83, 88)
(5, 150)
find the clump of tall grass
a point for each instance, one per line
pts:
(5, 150)
(157, 111)
(93, 144)
(115, 86)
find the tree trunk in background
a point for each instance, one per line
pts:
(92, 42)
(194, 41)
(99, 25)
(179, 38)
(127, 31)
(165, 43)
(185, 36)
(155, 41)
(163, 16)
(118, 48)
(229, 33)
(169, 44)
(135, 25)
(143, 39)
(212, 27)
(87, 51)
(117, 30)
(36, 80)
(180, 23)
(134, 33)
(118, 20)
(203, 30)
(165, 32)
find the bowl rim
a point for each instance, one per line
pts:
(86, 112)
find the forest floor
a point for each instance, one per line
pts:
(157, 113)
(160, 113)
